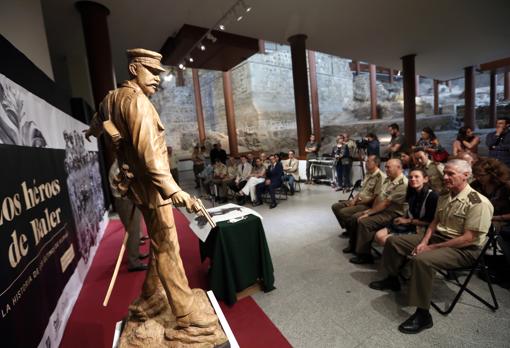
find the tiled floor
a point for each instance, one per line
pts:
(322, 300)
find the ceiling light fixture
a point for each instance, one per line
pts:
(246, 8)
(211, 37)
(237, 11)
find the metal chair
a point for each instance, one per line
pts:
(279, 192)
(479, 264)
(357, 186)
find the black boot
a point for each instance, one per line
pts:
(419, 321)
(388, 283)
(362, 259)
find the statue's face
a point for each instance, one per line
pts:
(147, 78)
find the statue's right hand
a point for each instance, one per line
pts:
(183, 199)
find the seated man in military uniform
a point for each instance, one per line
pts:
(370, 189)
(435, 176)
(387, 206)
(453, 239)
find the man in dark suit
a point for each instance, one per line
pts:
(218, 153)
(273, 181)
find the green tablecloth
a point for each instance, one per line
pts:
(239, 257)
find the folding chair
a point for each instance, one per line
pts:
(280, 194)
(297, 185)
(357, 186)
(479, 264)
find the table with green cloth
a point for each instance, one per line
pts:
(239, 258)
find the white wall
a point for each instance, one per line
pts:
(22, 23)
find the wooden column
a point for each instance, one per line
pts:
(102, 75)
(97, 42)
(314, 94)
(356, 66)
(262, 46)
(409, 82)
(373, 92)
(507, 85)
(179, 78)
(229, 110)
(390, 75)
(417, 85)
(469, 97)
(301, 97)
(198, 107)
(436, 97)
(493, 101)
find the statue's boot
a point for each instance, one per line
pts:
(197, 318)
(145, 308)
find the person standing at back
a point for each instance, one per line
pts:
(397, 143)
(498, 141)
(312, 151)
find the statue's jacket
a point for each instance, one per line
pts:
(142, 146)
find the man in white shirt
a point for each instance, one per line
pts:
(243, 173)
(291, 171)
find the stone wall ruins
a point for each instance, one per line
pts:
(264, 103)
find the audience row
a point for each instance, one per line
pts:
(427, 216)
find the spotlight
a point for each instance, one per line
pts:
(398, 73)
(222, 27)
(190, 59)
(239, 18)
(181, 66)
(211, 37)
(202, 47)
(246, 8)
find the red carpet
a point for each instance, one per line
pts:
(92, 325)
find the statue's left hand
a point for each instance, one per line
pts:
(87, 134)
(183, 199)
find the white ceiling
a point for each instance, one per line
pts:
(446, 35)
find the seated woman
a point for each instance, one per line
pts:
(427, 138)
(431, 145)
(492, 179)
(422, 207)
(258, 175)
(466, 141)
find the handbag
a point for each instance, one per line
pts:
(440, 156)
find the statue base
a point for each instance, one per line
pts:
(161, 331)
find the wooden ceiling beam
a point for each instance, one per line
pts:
(228, 51)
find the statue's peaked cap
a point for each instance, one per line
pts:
(145, 57)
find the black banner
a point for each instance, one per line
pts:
(38, 245)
